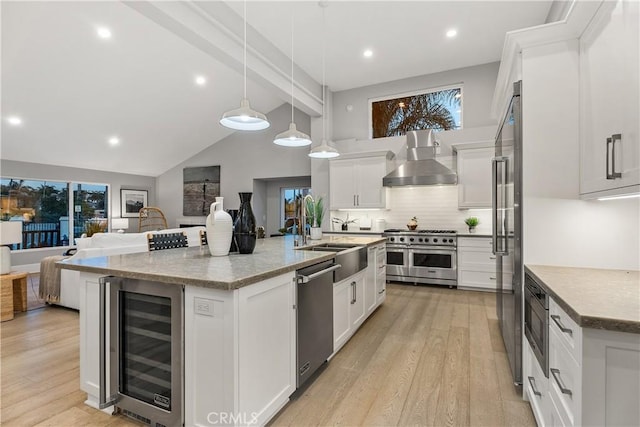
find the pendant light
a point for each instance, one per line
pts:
(324, 150)
(292, 137)
(244, 118)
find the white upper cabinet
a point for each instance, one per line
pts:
(610, 102)
(474, 177)
(356, 183)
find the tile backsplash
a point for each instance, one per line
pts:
(436, 207)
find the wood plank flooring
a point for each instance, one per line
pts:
(428, 356)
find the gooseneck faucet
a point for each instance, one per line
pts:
(302, 227)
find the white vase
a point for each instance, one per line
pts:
(316, 233)
(219, 229)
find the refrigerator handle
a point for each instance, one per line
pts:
(502, 250)
(494, 205)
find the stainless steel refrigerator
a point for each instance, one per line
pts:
(507, 230)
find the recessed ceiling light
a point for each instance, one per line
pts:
(14, 120)
(368, 53)
(114, 140)
(452, 33)
(201, 80)
(104, 33)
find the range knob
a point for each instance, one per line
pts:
(402, 239)
(435, 240)
(411, 239)
(426, 240)
(391, 239)
(450, 240)
(420, 240)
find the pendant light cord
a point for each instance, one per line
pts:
(245, 49)
(324, 44)
(292, 21)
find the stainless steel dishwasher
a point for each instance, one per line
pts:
(314, 316)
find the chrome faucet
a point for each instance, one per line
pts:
(302, 227)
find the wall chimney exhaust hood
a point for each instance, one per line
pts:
(421, 167)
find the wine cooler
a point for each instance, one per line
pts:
(145, 367)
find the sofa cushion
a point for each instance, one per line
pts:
(118, 240)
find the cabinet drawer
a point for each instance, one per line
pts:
(536, 387)
(571, 337)
(475, 242)
(476, 279)
(564, 381)
(476, 259)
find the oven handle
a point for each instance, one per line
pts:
(103, 402)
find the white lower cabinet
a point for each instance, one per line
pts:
(477, 265)
(376, 278)
(594, 376)
(348, 308)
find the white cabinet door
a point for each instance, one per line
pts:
(341, 303)
(474, 177)
(357, 183)
(369, 174)
(610, 101)
(381, 274)
(342, 184)
(357, 303)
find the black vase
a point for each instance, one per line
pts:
(234, 216)
(244, 229)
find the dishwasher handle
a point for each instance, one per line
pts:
(307, 278)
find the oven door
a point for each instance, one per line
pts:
(536, 324)
(433, 263)
(397, 261)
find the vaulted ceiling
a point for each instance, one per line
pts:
(74, 91)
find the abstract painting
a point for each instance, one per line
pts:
(201, 187)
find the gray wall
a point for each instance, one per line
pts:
(479, 83)
(243, 157)
(116, 181)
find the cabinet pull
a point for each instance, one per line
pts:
(382, 291)
(532, 382)
(556, 376)
(492, 257)
(353, 292)
(492, 278)
(615, 137)
(354, 197)
(358, 198)
(556, 320)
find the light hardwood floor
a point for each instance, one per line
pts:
(427, 356)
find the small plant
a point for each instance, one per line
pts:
(472, 221)
(344, 222)
(315, 212)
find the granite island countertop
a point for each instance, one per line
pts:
(594, 298)
(195, 265)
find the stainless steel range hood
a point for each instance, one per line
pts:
(421, 167)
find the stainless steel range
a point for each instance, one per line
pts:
(422, 256)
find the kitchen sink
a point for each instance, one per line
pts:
(352, 258)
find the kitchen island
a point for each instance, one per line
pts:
(593, 349)
(239, 324)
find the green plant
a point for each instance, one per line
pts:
(315, 212)
(472, 221)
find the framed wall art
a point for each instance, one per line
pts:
(131, 201)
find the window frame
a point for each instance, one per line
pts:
(414, 93)
(70, 207)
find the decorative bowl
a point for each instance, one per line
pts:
(412, 226)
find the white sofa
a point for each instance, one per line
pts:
(105, 244)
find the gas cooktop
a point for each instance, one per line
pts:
(398, 230)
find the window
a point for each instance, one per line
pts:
(291, 198)
(48, 211)
(439, 109)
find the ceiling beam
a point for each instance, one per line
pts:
(214, 28)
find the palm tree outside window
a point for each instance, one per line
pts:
(438, 109)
